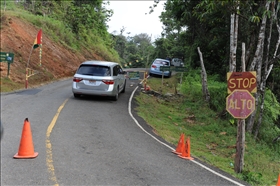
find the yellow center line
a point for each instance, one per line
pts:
(49, 160)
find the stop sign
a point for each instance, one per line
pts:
(240, 104)
(242, 81)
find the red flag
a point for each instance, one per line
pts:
(38, 40)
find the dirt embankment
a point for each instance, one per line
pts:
(18, 36)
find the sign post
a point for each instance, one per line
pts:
(240, 104)
(172, 68)
(28, 73)
(163, 68)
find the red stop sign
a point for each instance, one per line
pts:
(240, 104)
(242, 81)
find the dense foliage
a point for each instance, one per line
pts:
(207, 24)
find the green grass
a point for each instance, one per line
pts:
(212, 139)
(8, 85)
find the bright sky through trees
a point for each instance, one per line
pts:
(135, 18)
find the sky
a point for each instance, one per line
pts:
(131, 15)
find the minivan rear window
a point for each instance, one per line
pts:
(94, 70)
(161, 62)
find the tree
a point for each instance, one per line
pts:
(219, 28)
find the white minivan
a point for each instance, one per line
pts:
(99, 78)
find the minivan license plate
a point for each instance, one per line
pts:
(93, 82)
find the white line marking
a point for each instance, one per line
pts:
(172, 149)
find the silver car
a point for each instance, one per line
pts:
(155, 67)
(100, 78)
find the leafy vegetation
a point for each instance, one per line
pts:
(73, 32)
(213, 136)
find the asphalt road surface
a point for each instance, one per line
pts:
(91, 141)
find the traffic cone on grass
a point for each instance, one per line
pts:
(26, 148)
(186, 154)
(179, 148)
(278, 182)
(148, 88)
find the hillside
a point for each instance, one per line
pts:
(18, 36)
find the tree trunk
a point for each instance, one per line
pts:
(240, 140)
(233, 41)
(265, 76)
(205, 90)
(258, 61)
(278, 29)
(249, 49)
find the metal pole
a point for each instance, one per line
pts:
(26, 78)
(145, 80)
(181, 78)
(29, 57)
(8, 73)
(162, 78)
(26, 71)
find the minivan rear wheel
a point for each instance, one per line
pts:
(77, 95)
(123, 90)
(116, 97)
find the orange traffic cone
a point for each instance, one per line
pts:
(186, 154)
(179, 148)
(26, 148)
(278, 182)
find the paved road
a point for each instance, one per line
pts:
(90, 141)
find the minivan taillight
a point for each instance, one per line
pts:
(108, 82)
(154, 66)
(76, 79)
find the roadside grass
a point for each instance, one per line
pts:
(212, 138)
(8, 85)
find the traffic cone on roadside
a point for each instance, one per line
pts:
(179, 148)
(186, 154)
(278, 182)
(148, 88)
(26, 148)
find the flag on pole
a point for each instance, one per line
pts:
(38, 39)
(38, 43)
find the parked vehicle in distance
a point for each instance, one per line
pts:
(99, 78)
(155, 67)
(177, 62)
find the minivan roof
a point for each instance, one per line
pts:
(95, 62)
(162, 59)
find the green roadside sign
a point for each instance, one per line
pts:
(173, 68)
(134, 75)
(7, 57)
(164, 68)
(181, 69)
